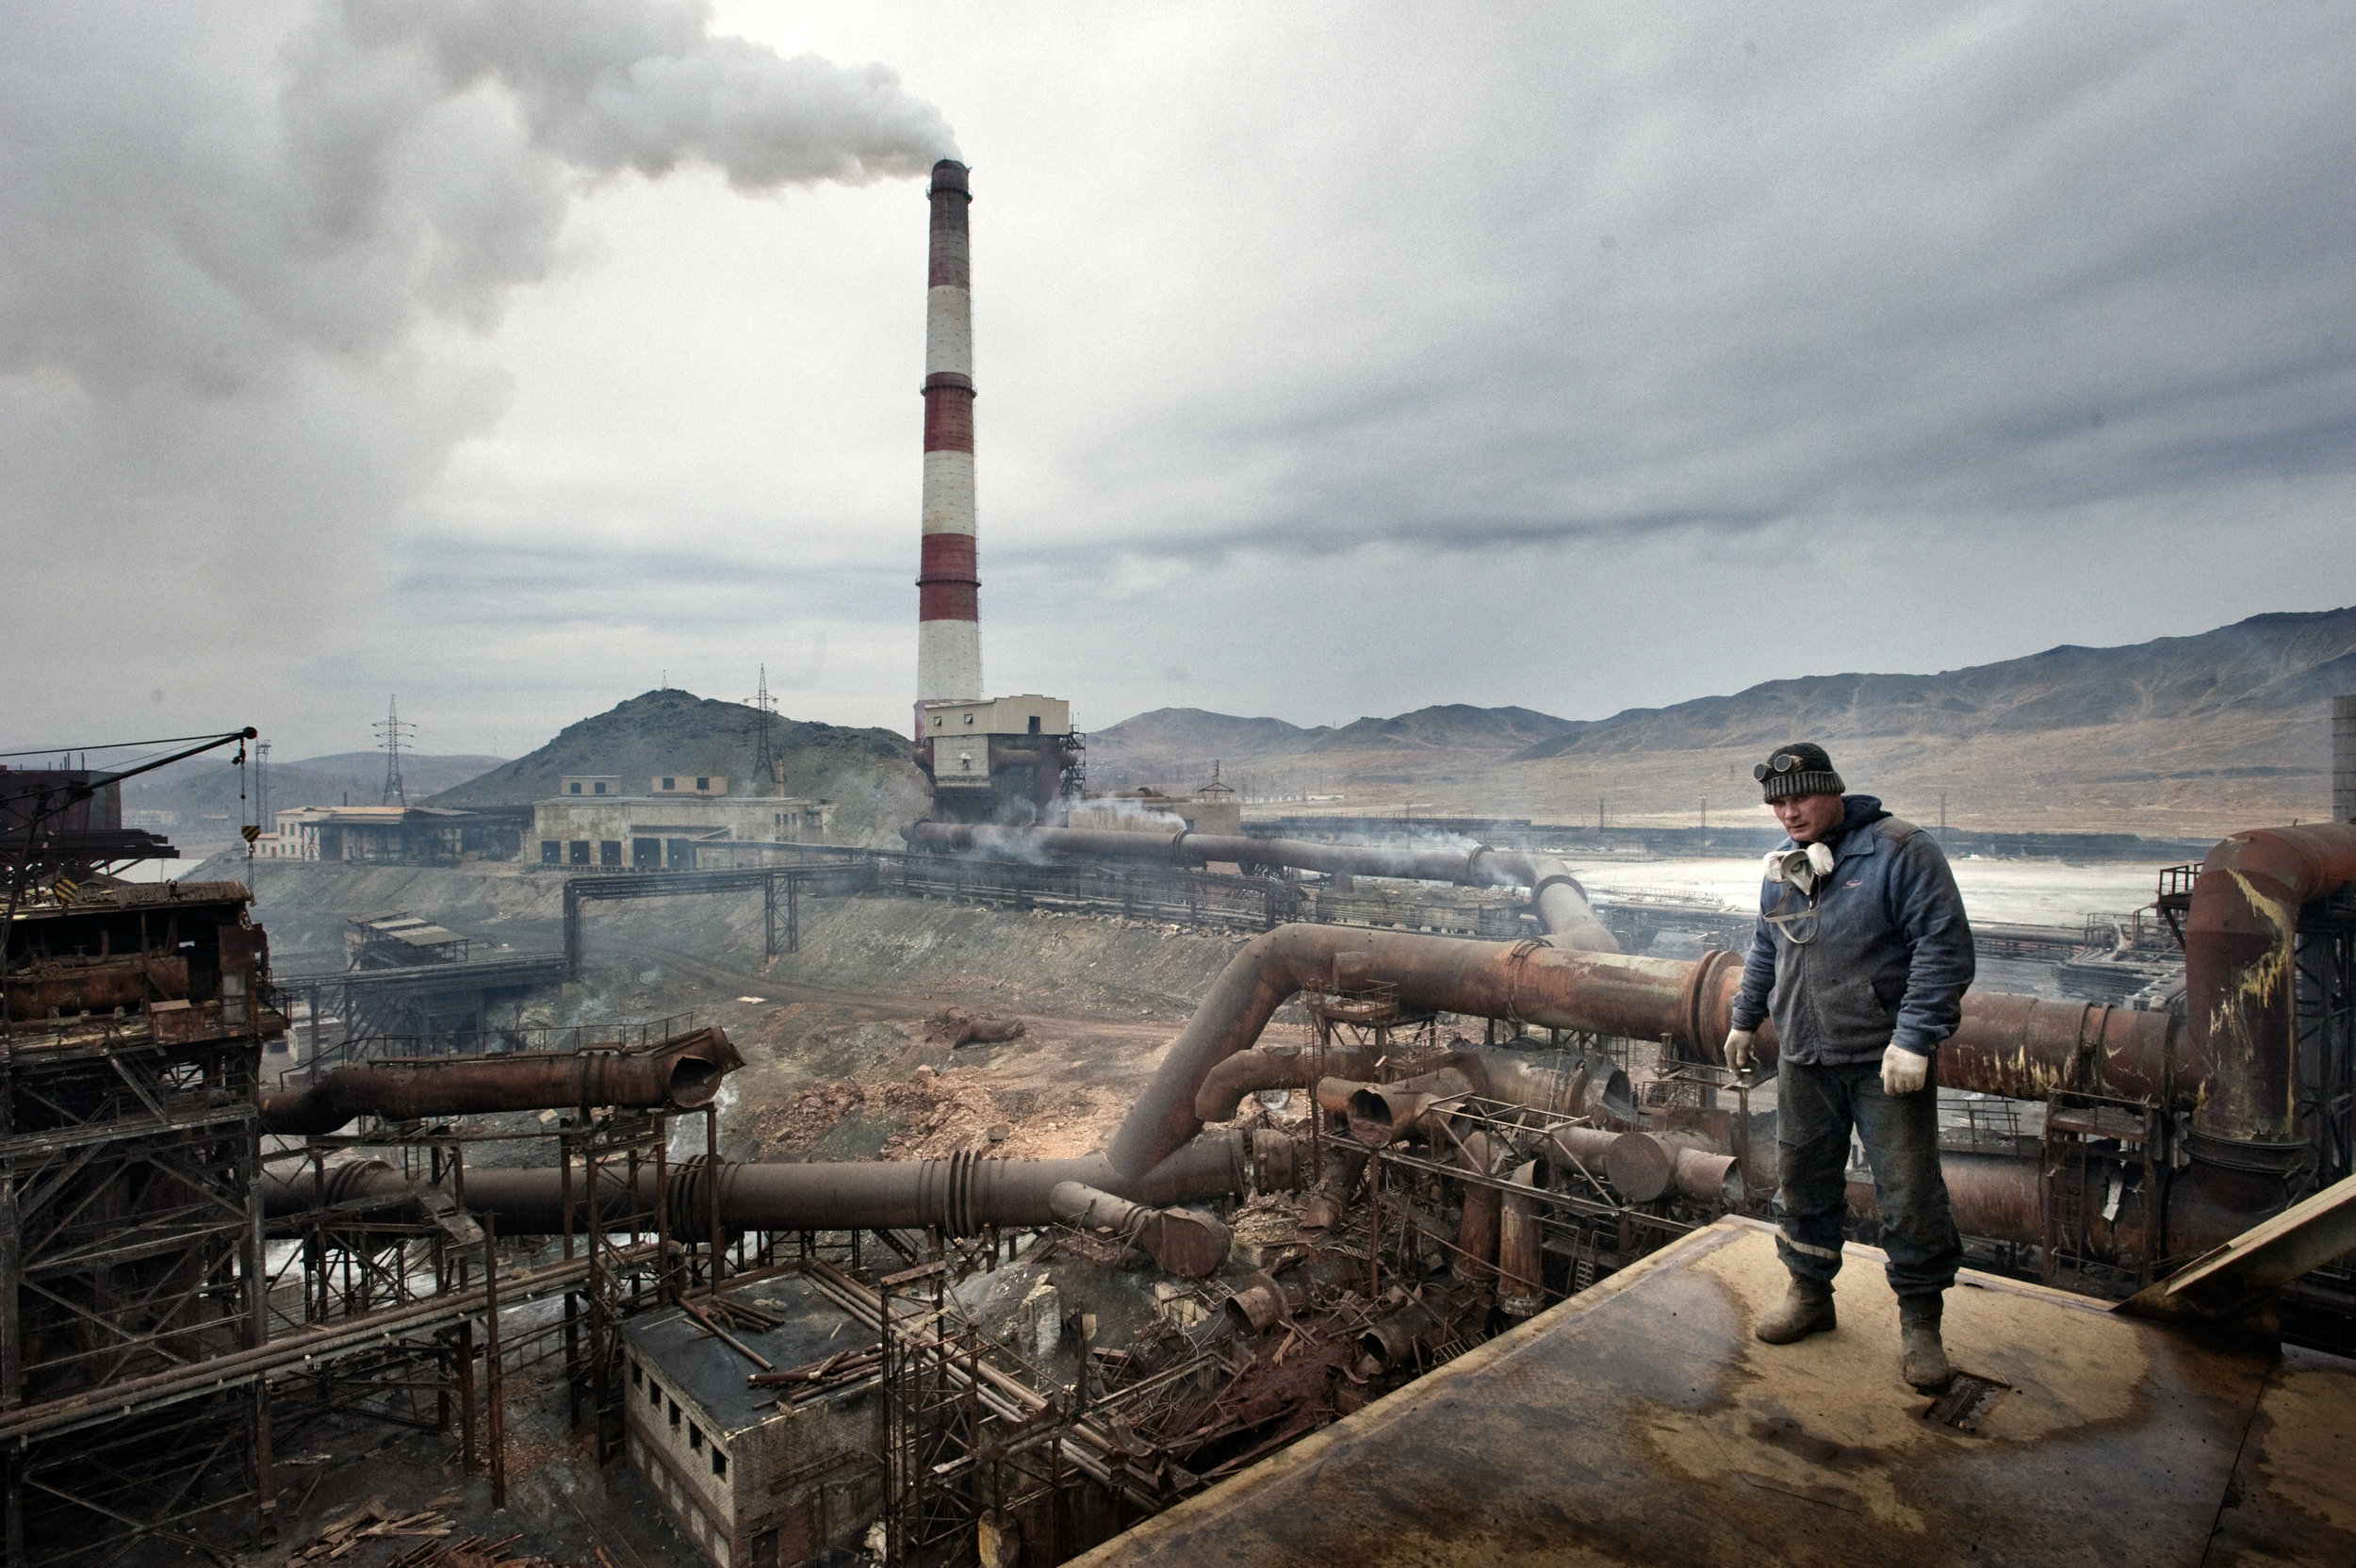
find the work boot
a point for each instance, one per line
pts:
(1922, 1358)
(1806, 1309)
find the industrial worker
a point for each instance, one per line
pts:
(1861, 955)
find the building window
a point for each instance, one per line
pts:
(654, 1395)
(635, 1377)
(609, 852)
(719, 1463)
(580, 852)
(675, 1414)
(551, 852)
(694, 1437)
(601, 788)
(702, 784)
(670, 783)
(574, 788)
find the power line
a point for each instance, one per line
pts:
(395, 730)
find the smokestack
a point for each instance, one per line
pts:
(2344, 758)
(948, 611)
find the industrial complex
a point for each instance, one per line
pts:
(1431, 1226)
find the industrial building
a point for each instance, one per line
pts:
(755, 1474)
(588, 827)
(389, 835)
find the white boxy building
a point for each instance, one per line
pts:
(597, 826)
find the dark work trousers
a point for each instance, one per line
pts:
(1815, 1108)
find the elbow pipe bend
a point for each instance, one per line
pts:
(2241, 978)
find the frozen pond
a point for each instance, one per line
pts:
(2025, 892)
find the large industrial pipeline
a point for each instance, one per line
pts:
(2231, 1081)
(681, 1072)
(1560, 903)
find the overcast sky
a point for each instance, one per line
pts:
(1333, 360)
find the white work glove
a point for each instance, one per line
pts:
(1741, 1051)
(1904, 1072)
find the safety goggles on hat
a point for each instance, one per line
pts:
(1782, 762)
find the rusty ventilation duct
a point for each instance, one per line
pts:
(1560, 903)
(682, 1072)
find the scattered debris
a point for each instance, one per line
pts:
(374, 1520)
(955, 1026)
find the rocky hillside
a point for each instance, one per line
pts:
(867, 772)
(2181, 735)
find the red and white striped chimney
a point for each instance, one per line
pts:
(948, 613)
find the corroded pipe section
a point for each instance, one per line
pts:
(1476, 1260)
(2003, 1197)
(2006, 1045)
(1560, 903)
(1420, 1324)
(959, 1194)
(682, 1072)
(1282, 1067)
(2241, 977)
(1183, 1241)
(1519, 1263)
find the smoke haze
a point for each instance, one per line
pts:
(245, 256)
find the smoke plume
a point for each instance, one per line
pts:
(242, 255)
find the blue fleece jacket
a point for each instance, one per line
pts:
(1879, 955)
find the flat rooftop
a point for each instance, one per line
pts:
(1638, 1422)
(812, 1328)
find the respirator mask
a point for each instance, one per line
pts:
(1803, 867)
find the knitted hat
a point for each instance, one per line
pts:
(1802, 768)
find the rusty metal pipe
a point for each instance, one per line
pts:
(959, 1194)
(2006, 1045)
(2241, 979)
(1283, 1066)
(2001, 1197)
(1555, 893)
(1183, 1241)
(1476, 1262)
(682, 1072)
(1519, 1261)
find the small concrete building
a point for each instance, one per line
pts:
(387, 835)
(659, 831)
(757, 1477)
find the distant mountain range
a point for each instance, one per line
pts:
(202, 792)
(869, 774)
(2178, 735)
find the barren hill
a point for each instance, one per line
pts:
(2181, 735)
(204, 789)
(867, 772)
